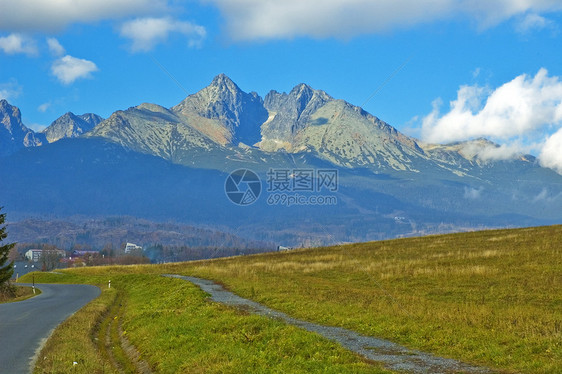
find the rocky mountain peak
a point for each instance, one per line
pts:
(14, 135)
(69, 125)
(239, 113)
(222, 80)
(91, 118)
(222, 88)
(302, 98)
(11, 115)
(289, 114)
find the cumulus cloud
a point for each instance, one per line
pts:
(551, 153)
(146, 33)
(519, 114)
(55, 47)
(18, 43)
(265, 19)
(10, 90)
(68, 69)
(522, 106)
(53, 15)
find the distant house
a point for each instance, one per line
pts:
(77, 253)
(132, 247)
(35, 254)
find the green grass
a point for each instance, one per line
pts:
(177, 330)
(21, 293)
(492, 298)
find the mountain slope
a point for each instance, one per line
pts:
(224, 113)
(152, 129)
(14, 135)
(171, 164)
(341, 133)
(70, 125)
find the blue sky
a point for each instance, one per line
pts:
(474, 68)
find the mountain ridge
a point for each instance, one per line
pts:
(223, 118)
(70, 125)
(161, 163)
(14, 135)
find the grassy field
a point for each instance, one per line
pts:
(176, 330)
(492, 298)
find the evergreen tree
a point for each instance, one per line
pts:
(6, 269)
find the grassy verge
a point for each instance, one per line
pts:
(73, 347)
(21, 293)
(176, 330)
(492, 298)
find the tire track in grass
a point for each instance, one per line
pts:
(392, 355)
(114, 345)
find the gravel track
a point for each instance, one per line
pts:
(391, 355)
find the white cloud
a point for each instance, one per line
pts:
(44, 107)
(10, 90)
(37, 127)
(485, 150)
(531, 22)
(520, 114)
(551, 153)
(146, 33)
(476, 72)
(265, 19)
(18, 43)
(53, 15)
(68, 69)
(522, 106)
(55, 47)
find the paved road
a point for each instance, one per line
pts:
(25, 325)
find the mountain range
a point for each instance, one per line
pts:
(163, 163)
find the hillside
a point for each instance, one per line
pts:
(489, 298)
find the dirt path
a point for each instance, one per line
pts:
(393, 356)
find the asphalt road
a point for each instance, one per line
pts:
(25, 325)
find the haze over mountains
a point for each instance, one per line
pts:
(171, 164)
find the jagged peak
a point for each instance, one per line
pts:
(68, 115)
(304, 93)
(10, 110)
(223, 81)
(4, 104)
(302, 88)
(222, 77)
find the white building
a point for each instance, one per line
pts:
(35, 254)
(131, 247)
